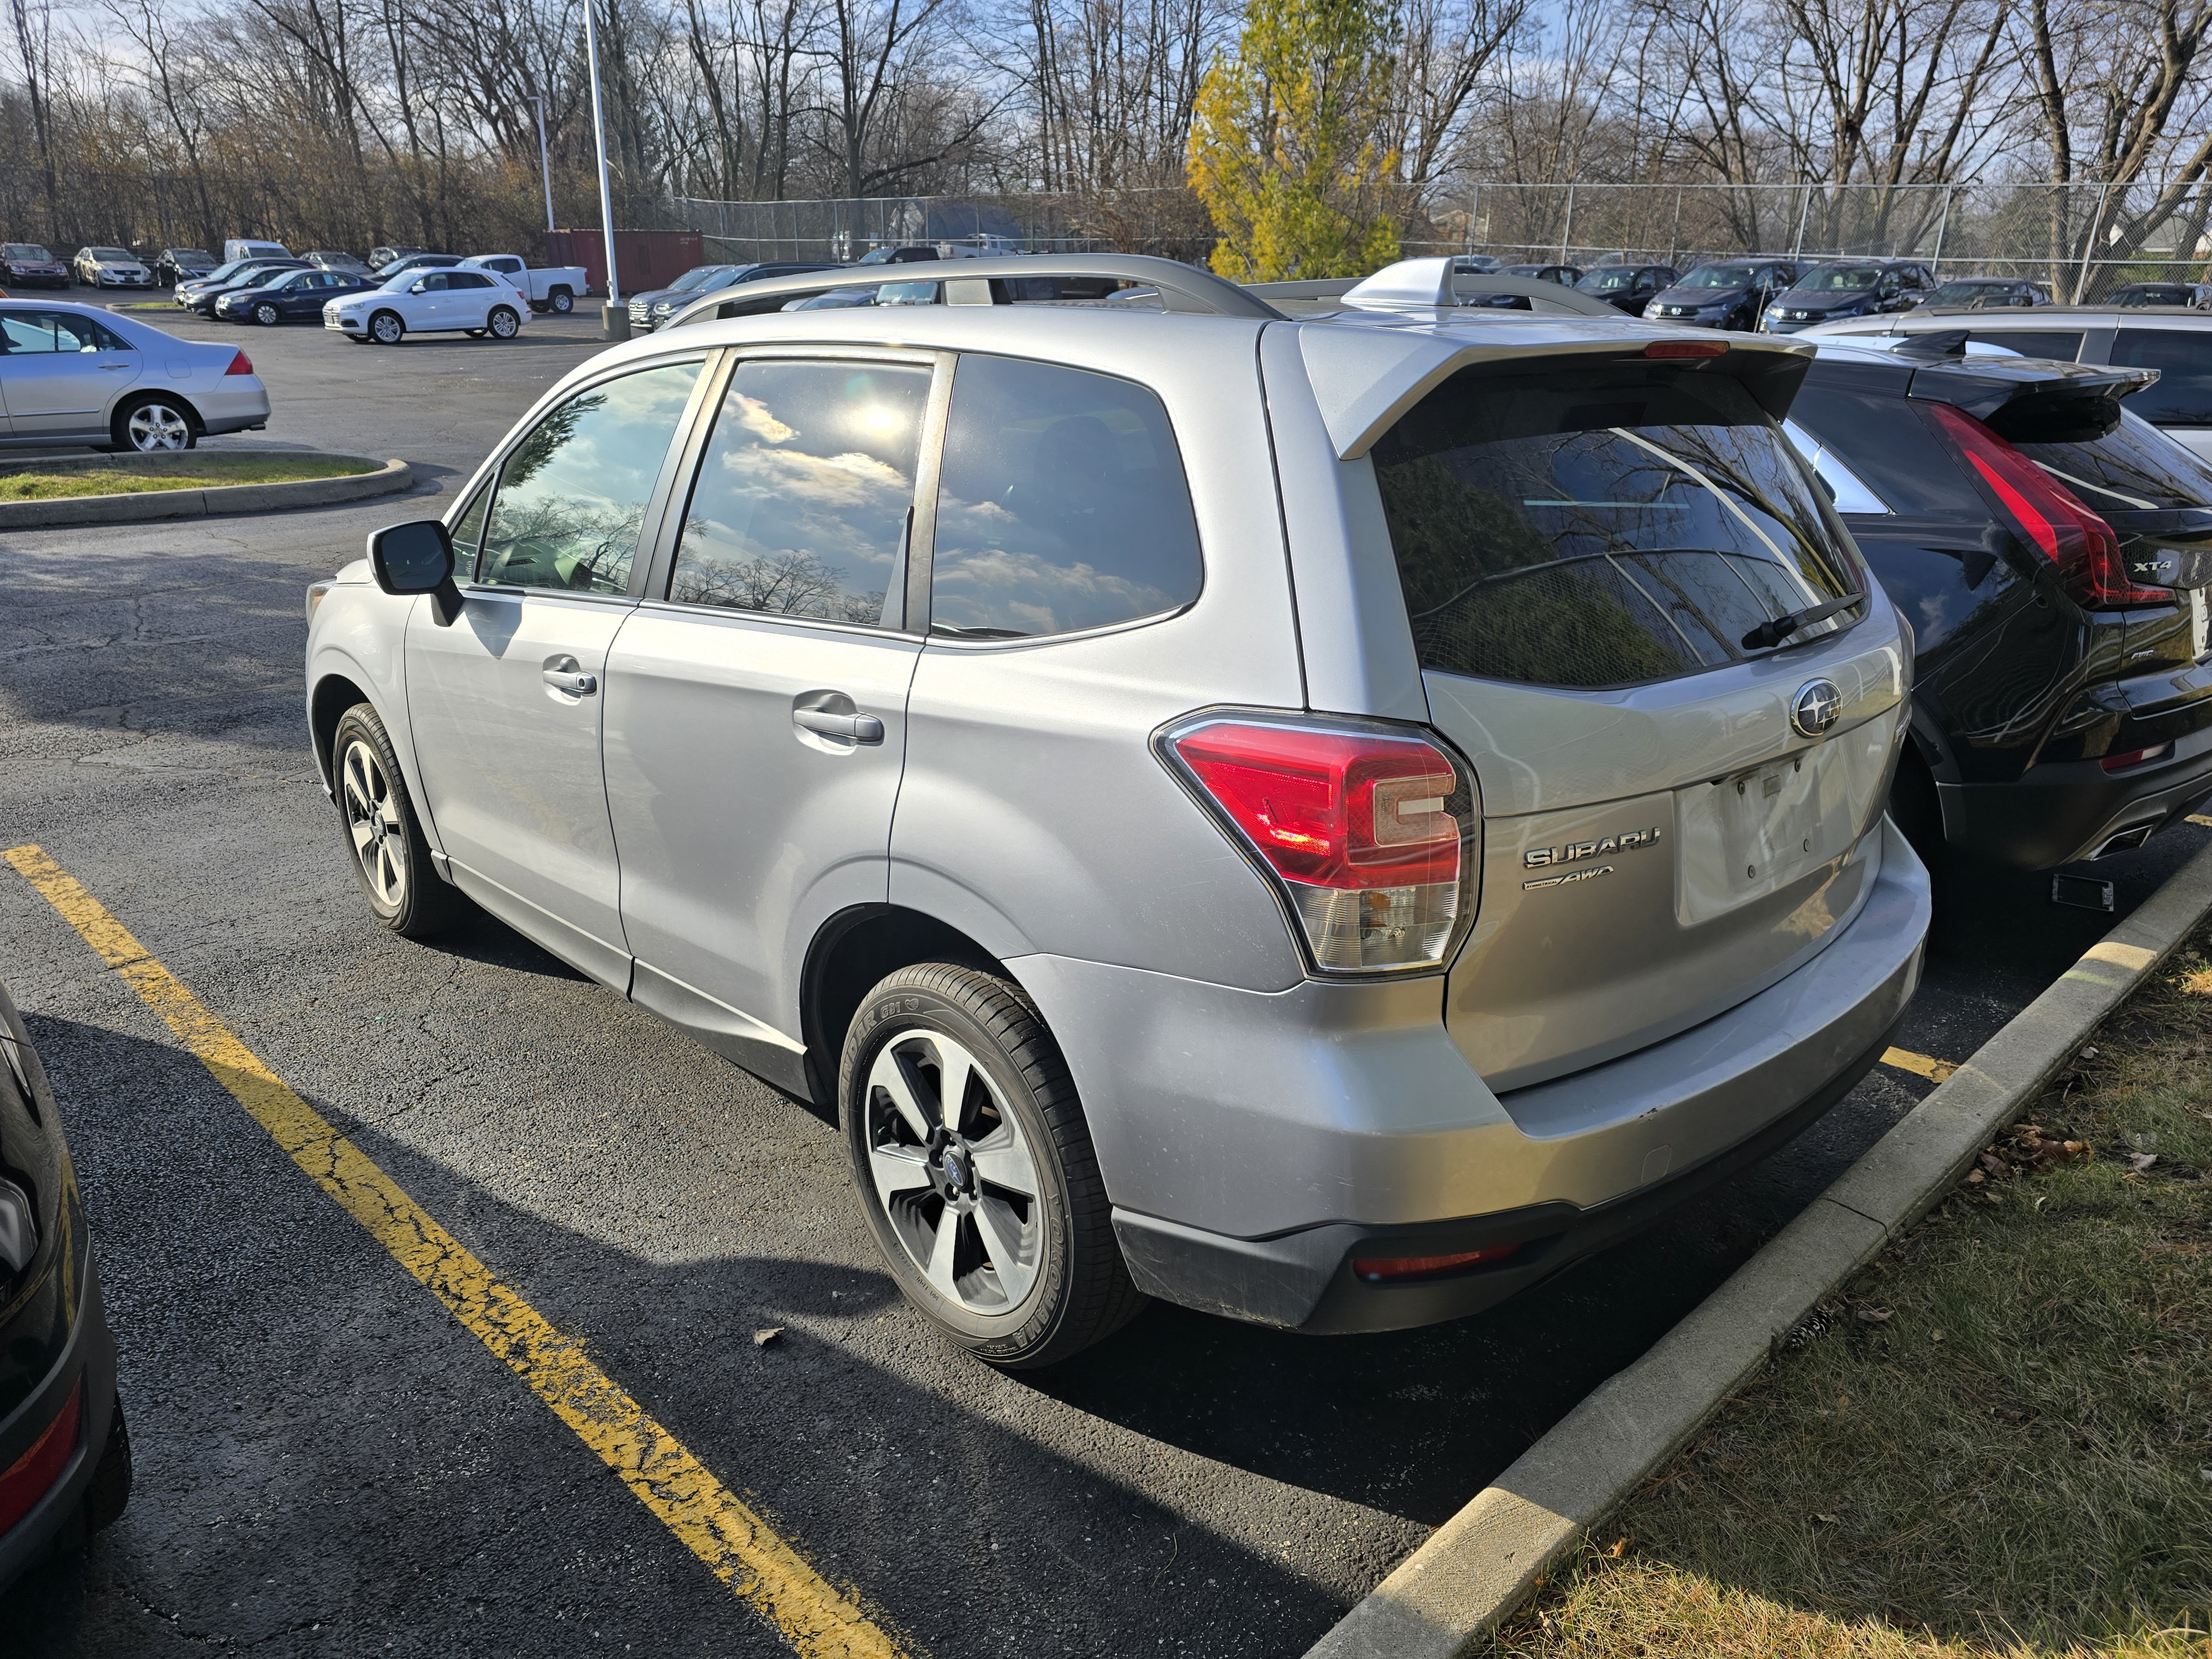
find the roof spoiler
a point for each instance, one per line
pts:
(2053, 403)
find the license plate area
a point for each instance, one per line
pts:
(1747, 835)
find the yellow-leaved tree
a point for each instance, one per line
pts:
(1286, 147)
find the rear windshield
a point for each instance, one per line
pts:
(2183, 356)
(2134, 467)
(1603, 526)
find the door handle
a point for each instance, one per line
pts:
(857, 728)
(576, 684)
(115, 369)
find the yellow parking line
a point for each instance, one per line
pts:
(2199, 819)
(1926, 1066)
(817, 1619)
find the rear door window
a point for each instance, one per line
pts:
(2061, 344)
(1604, 527)
(2134, 467)
(2183, 356)
(1061, 505)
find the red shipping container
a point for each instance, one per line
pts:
(645, 258)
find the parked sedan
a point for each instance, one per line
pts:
(1723, 293)
(173, 265)
(2195, 296)
(294, 295)
(420, 301)
(1989, 292)
(65, 1453)
(1628, 288)
(417, 260)
(1565, 275)
(80, 374)
(202, 297)
(326, 259)
(380, 257)
(111, 267)
(2053, 555)
(1828, 292)
(26, 264)
(650, 310)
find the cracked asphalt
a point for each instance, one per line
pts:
(327, 1463)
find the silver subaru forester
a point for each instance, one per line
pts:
(1324, 821)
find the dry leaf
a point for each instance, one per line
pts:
(761, 1339)
(2139, 1162)
(2089, 1053)
(1873, 1316)
(1827, 1520)
(1934, 1336)
(1614, 1552)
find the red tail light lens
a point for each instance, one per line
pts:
(2133, 757)
(1687, 348)
(31, 1476)
(1367, 832)
(1387, 1269)
(241, 364)
(2045, 512)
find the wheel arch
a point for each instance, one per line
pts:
(849, 954)
(130, 397)
(333, 693)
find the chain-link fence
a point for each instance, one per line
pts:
(2080, 241)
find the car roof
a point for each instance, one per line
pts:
(2098, 314)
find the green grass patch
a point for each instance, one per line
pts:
(2002, 1440)
(183, 471)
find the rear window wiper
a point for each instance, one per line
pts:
(1775, 629)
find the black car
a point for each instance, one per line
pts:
(649, 310)
(203, 297)
(1724, 292)
(65, 1454)
(1565, 275)
(2196, 296)
(912, 253)
(380, 257)
(1988, 294)
(26, 264)
(2052, 555)
(289, 296)
(173, 265)
(1628, 288)
(1853, 288)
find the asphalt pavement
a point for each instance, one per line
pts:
(328, 1463)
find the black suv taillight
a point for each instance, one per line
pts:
(2043, 512)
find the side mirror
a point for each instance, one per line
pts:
(417, 558)
(422, 286)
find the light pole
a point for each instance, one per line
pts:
(614, 319)
(544, 161)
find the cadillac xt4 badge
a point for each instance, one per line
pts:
(1814, 708)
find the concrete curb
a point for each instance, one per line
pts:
(1483, 1563)
(217, 503)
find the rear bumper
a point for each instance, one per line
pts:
(1254, 1144)
(224, 410)
(89, 1359)
(2063, 810)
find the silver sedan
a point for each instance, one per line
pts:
(78, 374)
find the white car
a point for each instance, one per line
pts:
(111, 267)
(547, 287)
(80, 374)
(418, 302)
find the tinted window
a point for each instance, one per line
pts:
(1874, 434)
(572, 494)
(434, 282)
(1062, 505)
(2183, 356)
(2063, 344)
(801, 504)
(468, 279)
(2134, 466)
(1603, 526)
(468, 533)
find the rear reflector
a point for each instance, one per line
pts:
(241, 364)
(31, 1476)
(1686, 349)
(2046, 513)
(2128, 758)
(1388, 1269)
(1364, 831)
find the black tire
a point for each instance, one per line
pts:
(153, 424)
(1079, 1292)
(387, 328)
(109, 1490)
(562, 300)
(474, 333)
(390, 858)
(503, 323)
(1914, 805)
(267, 315)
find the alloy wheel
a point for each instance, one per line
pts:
(387, 328)
(372, 820)
(158, 426)
(266, 315)
(954, 1173)
(503, 324)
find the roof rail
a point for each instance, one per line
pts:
(1182, 288)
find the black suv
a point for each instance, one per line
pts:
(1628, 288)
(1848, 287)
(1724, 292)
(2052, 555)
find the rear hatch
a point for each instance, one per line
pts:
(1589, 549)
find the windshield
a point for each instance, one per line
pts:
(1841, 279)
(1960, 294)
(1719, 276)
(29, 252)
(691, 278)
(201, 254)
(1603, 526)
(1606, 282)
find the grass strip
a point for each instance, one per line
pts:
(184, 472)
(1996, 1440)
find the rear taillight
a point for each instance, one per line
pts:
(1367, 831)
(2128, 758)
(2046, 513)
(31, 1476)
(241, 364)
